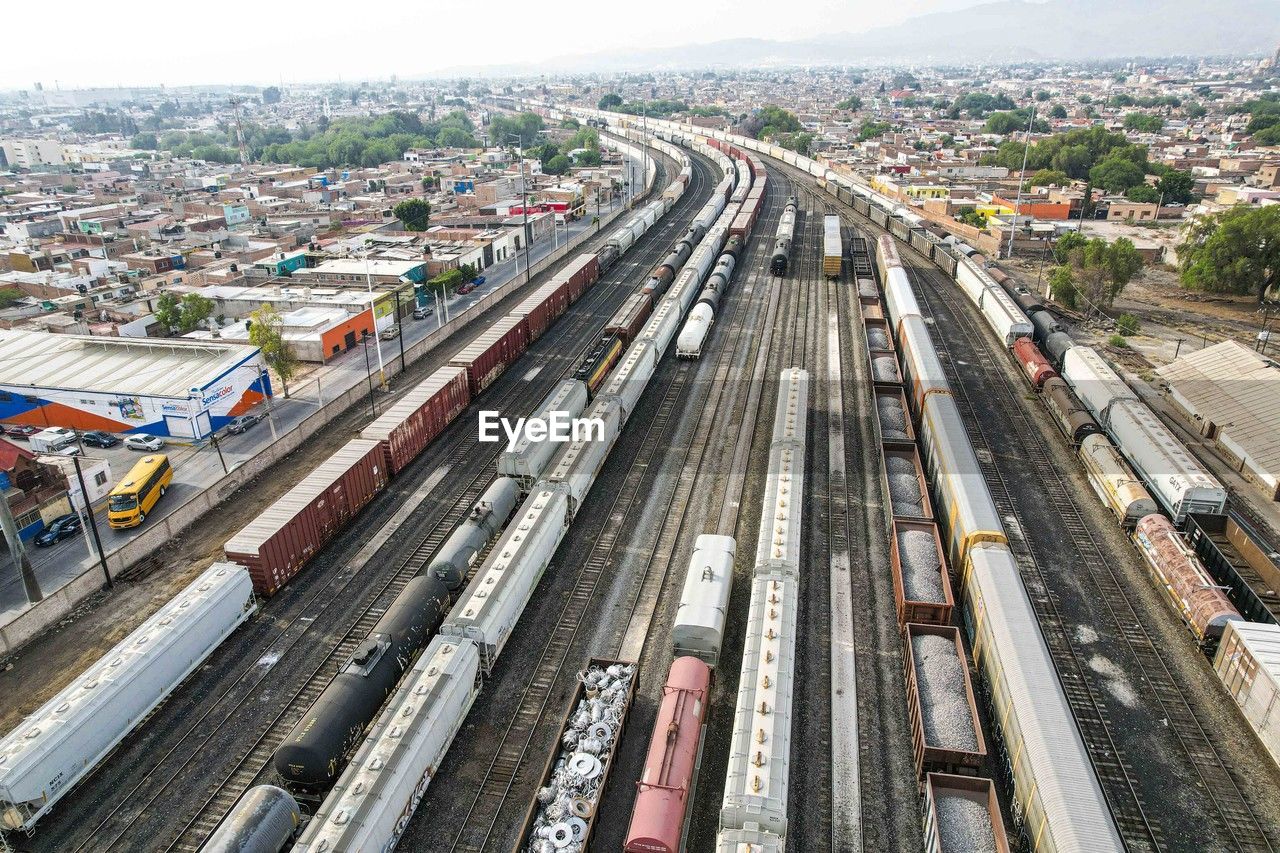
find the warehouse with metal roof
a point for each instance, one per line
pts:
(1232, 394)
(173, 387)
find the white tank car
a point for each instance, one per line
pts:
(380, 790)
(693, 336)
(704, 600)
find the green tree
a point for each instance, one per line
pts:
(775, 121)
(974, 218)
(415, 213)
(1095, 272)
(1128, 324)
(266, 332)
(144, 141)
(1116, 174)
(1062, 287)
(1050, 178)
(1194, 110)
(271, 95)
(1066, 243)
(456, 137)
(557, 165)
(1042, 96)
(526, 126)
(1014, 120)
(588, 157)
(1177, 186)
(872, 129)
(180, 316)
(1143, 122)
(1058, 111)
(852, 103)
(609, 101)
(10, 296)
(1144, 193)
(1234, 251)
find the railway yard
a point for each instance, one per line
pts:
(902, 617)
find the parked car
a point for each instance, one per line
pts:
(423, 312)
(243, 423)
(477, 281)
(58, 529)
(22, 432)
(464, 289)
(145, 443)
(66, 447)
(390, 333)
(99, 438)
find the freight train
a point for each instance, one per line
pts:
(781, 256)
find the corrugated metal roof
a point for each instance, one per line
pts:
(156, 368)
(1235, 388)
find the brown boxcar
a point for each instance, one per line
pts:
(279, 542)
(921, 586)
(942, 793)
(901, 467)
(541, 308)
(940, 701)
(491, 352)
(581, 273)
(406, 428)
(629, 319)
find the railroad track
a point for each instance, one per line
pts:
(250, 765)
(532, 710)
(1232, 811)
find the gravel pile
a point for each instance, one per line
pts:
(877, 338)
(884, 369)
(893, 423)
(921, 566)
(867, 288)
(964, 825)
(904, 487)
(944, 706)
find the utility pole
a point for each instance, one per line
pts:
(92, 523)
(400, 330)
(1017, 205)
(19, 551)
(368, 373)
(244, 151)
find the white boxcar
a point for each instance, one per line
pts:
(1114, 481)
(747, 841)
(923, 368)
(899, 298)
(368, 809)
(971, 281)
(1175, 478)
(1094, 382)
(490, 606)
(694, 334)
(661, 325)
(526, 459)
(704, 601)
(629, 378)
(1248, 663)
(577, 463)
(967, 505)
(1053, 779)
(67, 736)
(621, 239)
(755, 789)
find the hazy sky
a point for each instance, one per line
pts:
(146, 42)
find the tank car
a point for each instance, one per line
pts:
(486, 519)
(262, 821)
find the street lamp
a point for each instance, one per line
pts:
(368, 371)
(373, 309)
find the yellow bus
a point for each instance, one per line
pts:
(135, 495)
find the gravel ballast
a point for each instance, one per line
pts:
(904, 487)
(877, 338)
(867, 288)
(964, 826)
(944, 705)
(921, 566)
(893, 423)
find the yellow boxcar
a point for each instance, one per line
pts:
(135, 495)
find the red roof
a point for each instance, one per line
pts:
(10, 453)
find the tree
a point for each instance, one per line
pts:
(974, 218)
(1144, 193)
(1177, 186)
(1049, 178)
(415, 213)
(266, 332)
(468, 272)
(1116, 174)
(1194, 110)
(557, 165)
(1143, 122)
(456, 137)
(1058, 111)
(609, 101)
(1093, 270)
(775, 121)
(852, 103)
(1042, 96)
(180, 316)
(1071, 240)
(589, 157)
(1008, 122)
(144, 141)
(271, 95)
(10, 296)
(872, 129)
(1268, 136)
(1235, 251)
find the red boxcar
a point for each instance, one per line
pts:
(280, 541)
(1033, 362)
(663, 792)
(630, 318)
(492, 352)
(406, 428)
(580, 273)
(542, 307)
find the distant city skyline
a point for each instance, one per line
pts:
(238, 42)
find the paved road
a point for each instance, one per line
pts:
(197, 467)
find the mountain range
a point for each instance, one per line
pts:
(1003, 32)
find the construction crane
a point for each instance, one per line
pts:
(235, 102)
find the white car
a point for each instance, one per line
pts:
(145, 443)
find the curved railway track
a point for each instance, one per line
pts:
(218, 733)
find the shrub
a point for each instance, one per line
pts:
(1118, 341)
(1127, 324)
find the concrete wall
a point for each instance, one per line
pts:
(32, 622)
